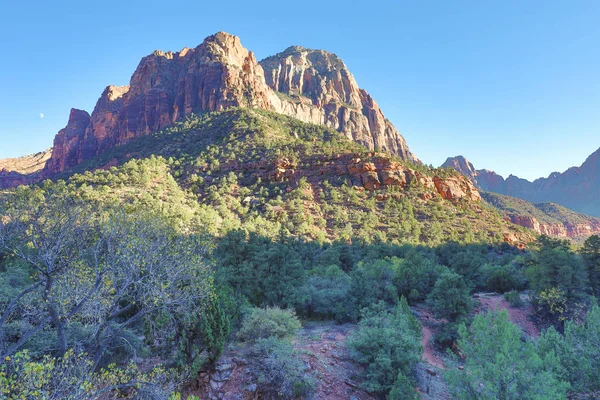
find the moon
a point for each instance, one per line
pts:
(41, 115)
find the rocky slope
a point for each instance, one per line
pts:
(578, 188)
(544, 218)
(22, 170)
(313, 86)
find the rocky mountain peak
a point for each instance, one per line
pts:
(462, 165)
(323, 91)
(311, 85)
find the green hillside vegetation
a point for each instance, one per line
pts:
(214, 159)
(136, 272)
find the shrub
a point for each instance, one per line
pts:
(388, 344)
(514, 298)
(270, 322)
(279, 370)
(553, 302)
(327, 294)
(499, 365)
(450, 297)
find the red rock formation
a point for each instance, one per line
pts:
(218, 74)
(564, 230)
(367, 172)
(325, 92)
(22, 170)
(67, 143)
(578, 188)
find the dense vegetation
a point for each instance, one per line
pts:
(129, 280)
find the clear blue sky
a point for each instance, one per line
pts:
(512, 85)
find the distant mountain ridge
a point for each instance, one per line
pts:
(544, 218)
(577, 189)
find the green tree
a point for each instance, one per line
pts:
(591, 257)
(388, 343)
(499, 365)
(555, 266)
(450, 297)
(578, 351)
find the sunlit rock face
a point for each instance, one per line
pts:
(313, 86)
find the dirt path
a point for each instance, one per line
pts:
(518, 315)
(428, 353)
(323, 348)
(429, 322)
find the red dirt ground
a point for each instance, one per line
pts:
(518, 315)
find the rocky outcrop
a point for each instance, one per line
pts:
(67, 143)
(322, 90)
(578, 188)
(218, 74)
(564, 230)
(22, 170)
(368, 171)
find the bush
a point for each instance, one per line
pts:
(578, 352)
(514, 298)
(279, 370)
(388, 344)
(499, 365)
(327, 294)
(450, 297)
(270, 322)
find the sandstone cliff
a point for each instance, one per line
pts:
(22, 170)
(322, 90)
(218, 74)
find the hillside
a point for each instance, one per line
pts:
(266, 173)
(544, 218)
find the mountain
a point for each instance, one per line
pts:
(22, 170)
(544, 218)
(313, 86)
(266, 172)
(575, 189)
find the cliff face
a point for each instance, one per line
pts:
(564, 230)
(319, 88)
(22, 170)
(217, 74)
(578, 188)
(313, 86)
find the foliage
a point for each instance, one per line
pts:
(514, 298)
(555, 266)
(591, 258)
(201, 335)
(450, 297)
(269, 322)
(388, 344)
(552, 301)
(499, 365)
(578, 351)
(73, 377)
(279, 369)
(97, 281)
